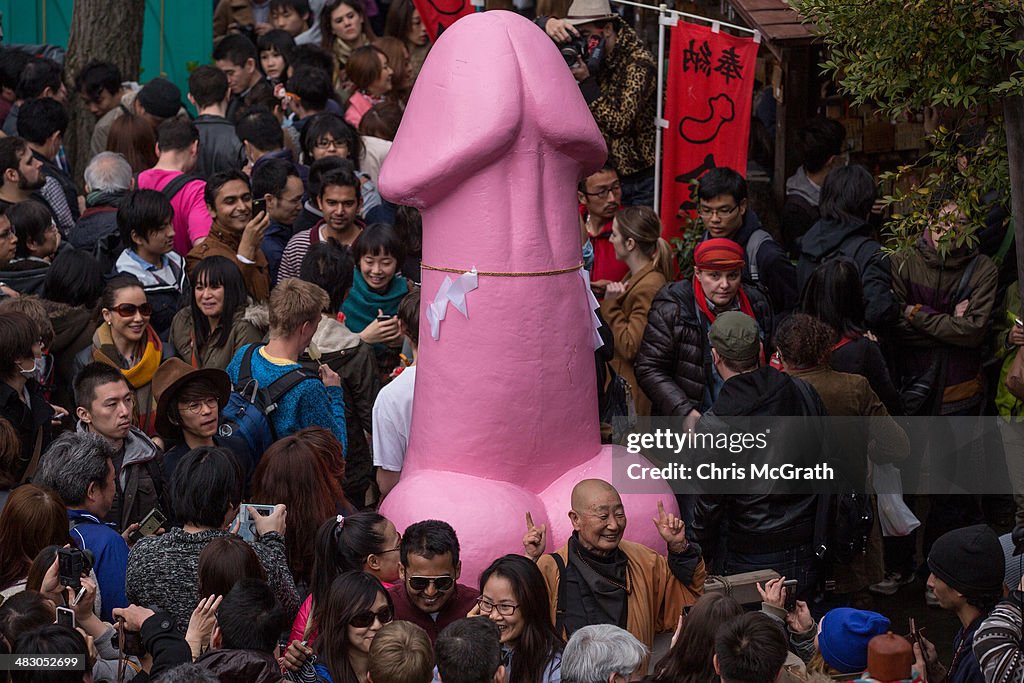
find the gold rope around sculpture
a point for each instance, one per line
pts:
(499, 274)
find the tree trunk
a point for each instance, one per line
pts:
(105, 31)
(1013, 117)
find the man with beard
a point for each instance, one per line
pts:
(277, 181)
(42, 125)
(22, 172)
(235, 234)
(340, 199)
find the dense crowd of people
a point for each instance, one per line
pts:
(208, 371)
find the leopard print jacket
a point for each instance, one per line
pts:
(626, 108)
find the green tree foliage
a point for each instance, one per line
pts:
(903, 55)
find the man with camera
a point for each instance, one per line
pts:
(618, 78)
(79, 466)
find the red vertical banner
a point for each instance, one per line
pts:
(437, 15)
(710, 80)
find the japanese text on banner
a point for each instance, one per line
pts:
(710, 88)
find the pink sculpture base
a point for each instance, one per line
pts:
(490, 516)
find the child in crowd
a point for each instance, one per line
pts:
(275, 49)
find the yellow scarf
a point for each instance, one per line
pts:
(139, 375)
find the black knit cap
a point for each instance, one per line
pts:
(160, 98)
(969, 560)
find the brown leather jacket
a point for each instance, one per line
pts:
(222, 243)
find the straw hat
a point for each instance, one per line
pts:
(586, 11)
(171, 376)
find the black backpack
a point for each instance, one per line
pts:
(844, 519)
(245, 421)
(177, 184)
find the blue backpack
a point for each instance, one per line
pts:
(245, 419)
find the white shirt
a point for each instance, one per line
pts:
(149, 275)
(392, 415)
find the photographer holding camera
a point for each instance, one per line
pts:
(618, 78)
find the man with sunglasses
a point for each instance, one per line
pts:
(429, 594)
(722, 207)
(600, 197)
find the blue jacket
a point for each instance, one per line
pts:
(110, 558)
(275, 239)
(965, 668)
(308, 404)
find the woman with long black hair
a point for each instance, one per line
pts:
(356, 607)
(690, 658)
(212, 327)
(833, 294)
(514, 596)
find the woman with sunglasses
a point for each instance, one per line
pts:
(364, 541)
(356, 607)
(125, 340)
(514, 596)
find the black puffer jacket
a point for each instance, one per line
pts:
(241, 666)
(670, 364)
(758, 523)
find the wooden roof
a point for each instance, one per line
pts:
(779, 24)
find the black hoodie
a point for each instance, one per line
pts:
(763, 522)
(851, 238)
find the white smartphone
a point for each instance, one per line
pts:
(66, 617)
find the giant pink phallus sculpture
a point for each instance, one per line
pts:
(492, 144)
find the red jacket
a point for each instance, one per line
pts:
(454, 609)
(606, 266)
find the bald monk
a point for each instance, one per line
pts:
(598, 578)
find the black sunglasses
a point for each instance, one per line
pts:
(441, 583)
(365, 619)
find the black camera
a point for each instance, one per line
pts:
(129, 643)
(591, 51)
(72, 564)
